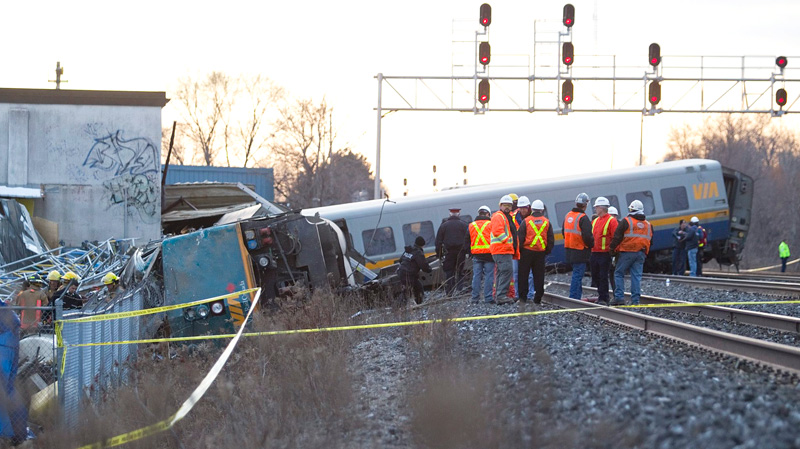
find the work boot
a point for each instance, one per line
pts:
(506, 300)
(617, 302)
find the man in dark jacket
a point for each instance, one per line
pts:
(679, 252)
(578, 243)
(692, 244)
(411, 262)
(450, 244)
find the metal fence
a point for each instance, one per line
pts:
(86, 373)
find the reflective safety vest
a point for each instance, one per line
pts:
(783, 250)
(602, 239)
(536, 234)
(701, 237)
(572, 231)
(479, 236)
(501, 238)
(637, 237)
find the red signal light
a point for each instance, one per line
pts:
(566, 92)
(484, 53)
(781, 61)
(569, 15)
(483, 91)
(486, 15)
(655, 54)
(780, 97)
(567, 53)
(654, 93)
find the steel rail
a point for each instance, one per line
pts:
(781, 288)
(763, 352)
(764, 275)
(781, 323)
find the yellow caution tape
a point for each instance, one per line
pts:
(419, 322)
(142, 312)
(189, 403)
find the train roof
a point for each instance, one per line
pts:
(463, 194)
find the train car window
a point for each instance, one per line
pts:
(611, 199)
(674, 199)
(422, 228)
(646, 197)
(562, 209)
(382, 242)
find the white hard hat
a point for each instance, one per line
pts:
(601, 201)
(484, 208)
(523, 201)
(636, 206)
(506, 199)
(694, 220)
(613, 210)
(537, 205)
(582, 198)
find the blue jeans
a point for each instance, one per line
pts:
(482, 271)
(578, 270)
(692, 253)
(515, 263)
(633, 262)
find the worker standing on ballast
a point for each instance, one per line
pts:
(578, 241)
(632, 241)
(537, 241)
(479, 236)
(450, 245)
(503, 246)
(603, 228)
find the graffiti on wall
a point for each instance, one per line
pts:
(134, 165)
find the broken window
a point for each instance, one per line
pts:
(378, 241)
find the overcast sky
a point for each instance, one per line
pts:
(335, 49)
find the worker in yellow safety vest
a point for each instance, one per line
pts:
(538, 240)
(480, 234)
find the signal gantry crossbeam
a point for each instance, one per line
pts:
(596, 83)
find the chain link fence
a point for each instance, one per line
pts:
(88, 372)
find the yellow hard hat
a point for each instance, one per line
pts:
(68, 276)
(110, 278)
(513, 196)
(53, 275)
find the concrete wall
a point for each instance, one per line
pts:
(99, 166)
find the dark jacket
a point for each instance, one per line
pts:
(523, 234)
(619, 234)
(692, 238)
(413, 260)
(451, 235)
(680, 238)
(486, 257)
(583, 255)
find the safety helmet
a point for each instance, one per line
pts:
(69, 276)
(54, 276)
(513, 196)
(523, 201)
(506, 199)
(582, 198)
(110, 278)
(601, 201)
(636, 206)
(694, 220)
(484, 209)
(613, 210)
(537, 205)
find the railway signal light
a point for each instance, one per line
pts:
(780, 97)
(655, 55)
(483, 91)
(569, 15)
(567, 53)
(781, 61)
(654, 93)
(486, 15)
(484, 53)
(566, 92)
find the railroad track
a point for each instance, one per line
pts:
(781, 357)
(781, 323)
(783, 289)
(763, 276)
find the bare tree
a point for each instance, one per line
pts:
(765, 150)
(179, 153)
(311, 168)
(205, 105)
(258, 98)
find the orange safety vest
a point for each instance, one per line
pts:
(572, 231)
(603, 236)
(25, 319)
(701, 237)
(536, 235)
(479, 237)
(637, 237)
(501, 242)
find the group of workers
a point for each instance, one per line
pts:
(509, 247)
(58, 286)
(690, 241)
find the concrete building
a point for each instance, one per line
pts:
(88, 161)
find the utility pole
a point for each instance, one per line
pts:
(59, 72)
